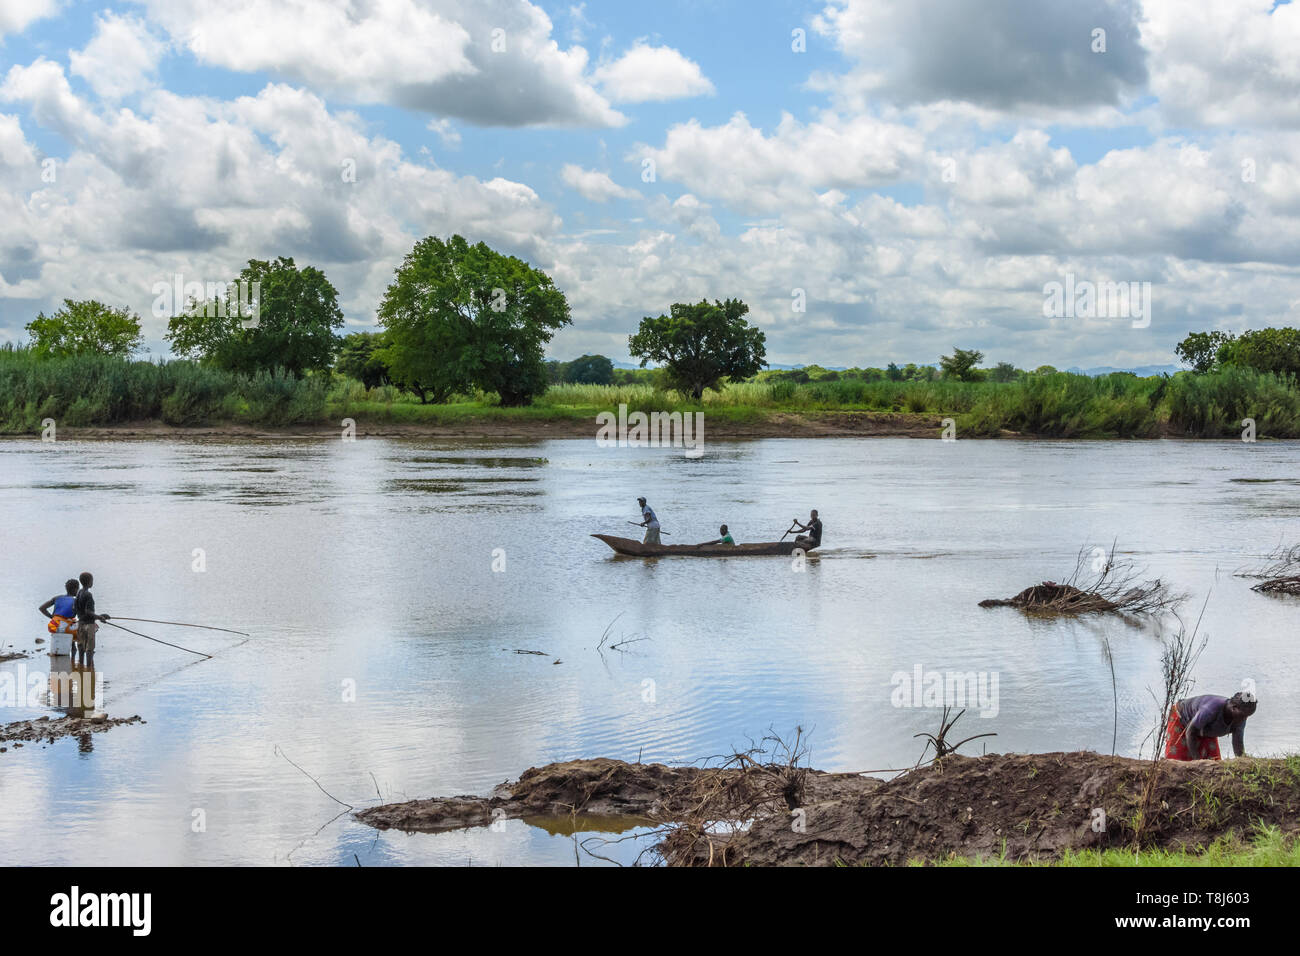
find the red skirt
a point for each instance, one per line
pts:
(1176, 747)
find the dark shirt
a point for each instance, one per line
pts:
(85, 605)
(815, 530)
(1203, 717)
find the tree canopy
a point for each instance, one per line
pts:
(296, 314)
(359, 359)
(86, 327)
(1200, 350)
(459, 316)
(961, 364)
(700, 344)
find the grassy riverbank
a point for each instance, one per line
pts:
(1268, 847)
(91, 391)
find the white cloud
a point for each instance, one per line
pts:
(738, 163)
(17, 15)
(650, 74)
(197, 186)
(490, 62)
(598, 187)
(1229, 63)
(119, 59)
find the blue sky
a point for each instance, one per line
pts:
(919, 172)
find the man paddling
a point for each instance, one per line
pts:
(649, 522)
(86, 619)
(1196, 724)
(814, 536)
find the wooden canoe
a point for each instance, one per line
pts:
(635, 549)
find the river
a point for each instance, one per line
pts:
(388, 586)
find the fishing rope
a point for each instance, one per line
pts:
(148, 638)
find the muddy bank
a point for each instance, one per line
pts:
(591, 788)
(48, 730)
(1028, 806)
(772, 425)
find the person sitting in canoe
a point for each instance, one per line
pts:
(1196, 724)
(725, 539)
(62, 610)
(814, 536)
(86, 619)
(649, 522)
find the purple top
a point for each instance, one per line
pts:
(1203, 717)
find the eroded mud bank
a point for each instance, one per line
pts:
(1023, 805)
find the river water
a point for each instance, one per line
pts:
(389, 584)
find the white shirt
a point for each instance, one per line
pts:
(649, 516)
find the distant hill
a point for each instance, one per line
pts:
(1145, 371)
(1142, 370)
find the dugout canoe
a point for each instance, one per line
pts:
(635, 549)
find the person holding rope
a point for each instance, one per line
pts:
(87, 619)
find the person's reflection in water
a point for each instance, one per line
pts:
(74, 691)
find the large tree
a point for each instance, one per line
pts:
(700, 344)
(460, 316)
(1200, 350)
(295, 315)
(961, 364)
(86, 327)
(1265, 350)
(589, 370)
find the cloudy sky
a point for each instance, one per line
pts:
(918, 171)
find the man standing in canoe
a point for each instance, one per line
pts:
(1196, 724)
(86, 620)
(649, 522)
(814, 536)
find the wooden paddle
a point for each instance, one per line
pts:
(661, 531)
(787, 531)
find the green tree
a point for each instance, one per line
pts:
(1200, 350)
(893, 372)
(295, 315)
(961, 364)
(1045, 370)
(589, 370)
(701, 344)
(359, 359)
(461, 316)
(1265, 350)
(1004, 372)
(86, 327)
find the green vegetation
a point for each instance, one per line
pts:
(700, 345)
(101, 390)
(273, 316)
(461, 317)
(1265, 350)
(1268, 847)
(86, 328)
(98, 390)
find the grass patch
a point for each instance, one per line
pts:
(1267, 847)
